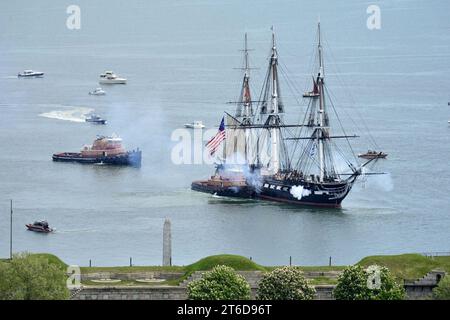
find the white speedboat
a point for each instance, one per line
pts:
(98, 92)
(110, 77)
(30, 74)
(195, 125)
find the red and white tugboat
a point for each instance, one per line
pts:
(104, 150)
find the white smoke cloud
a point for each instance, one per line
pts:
(299, 192)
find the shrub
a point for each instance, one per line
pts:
(286, 283)
(221, 283)
(442, 291)
(30, 277)
(355, 284)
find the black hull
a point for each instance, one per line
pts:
(96, 121)
(40, 230)
(300, 193)
(37, 75)
(233, 192)
(132, 158)
(306, 193)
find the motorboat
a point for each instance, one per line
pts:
(371, 154)
(93, 118)
(30, 74)
(97, 92)
(195, 125)
(39, 226)
(109, 77)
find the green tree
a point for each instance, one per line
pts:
(29, 277)
(286, 283)
(376, 283)
(442, 291)
(221, 283)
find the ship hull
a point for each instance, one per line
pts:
(96, 121)
(32, 75)
(38, 229)
(306, 193)
(233, 191)
(131, 158)
(113, 81)
(328, 195)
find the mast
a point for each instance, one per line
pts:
(244, 108)
(246, 100)
(320, 130)
(273, 118)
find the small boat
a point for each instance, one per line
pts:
(373, 155)
(97, 92)
(30, 74)
(195, 125)
(110, 77)
(104, 150)
(93, 118)
(39, 226)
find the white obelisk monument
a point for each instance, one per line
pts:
(167, 244)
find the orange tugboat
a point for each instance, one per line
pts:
(225, 184)
(104, 150)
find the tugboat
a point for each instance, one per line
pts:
(371, 154)
(30, 74)
(39, 226)
(290, 163)
(110, 77)
(225, 183)
(104, 150)
(93, 118)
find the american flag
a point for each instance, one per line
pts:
(215, 141)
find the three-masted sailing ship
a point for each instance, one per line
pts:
(263, 157)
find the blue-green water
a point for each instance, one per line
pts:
(179, 58)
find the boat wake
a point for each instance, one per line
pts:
(74, 115)
(77, 231)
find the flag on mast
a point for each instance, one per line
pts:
(215, 141)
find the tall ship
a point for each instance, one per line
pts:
(264, 157)
(104, 150)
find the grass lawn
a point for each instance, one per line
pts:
(405, 266)
(408, 266)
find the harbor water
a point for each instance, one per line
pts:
(179, 58)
